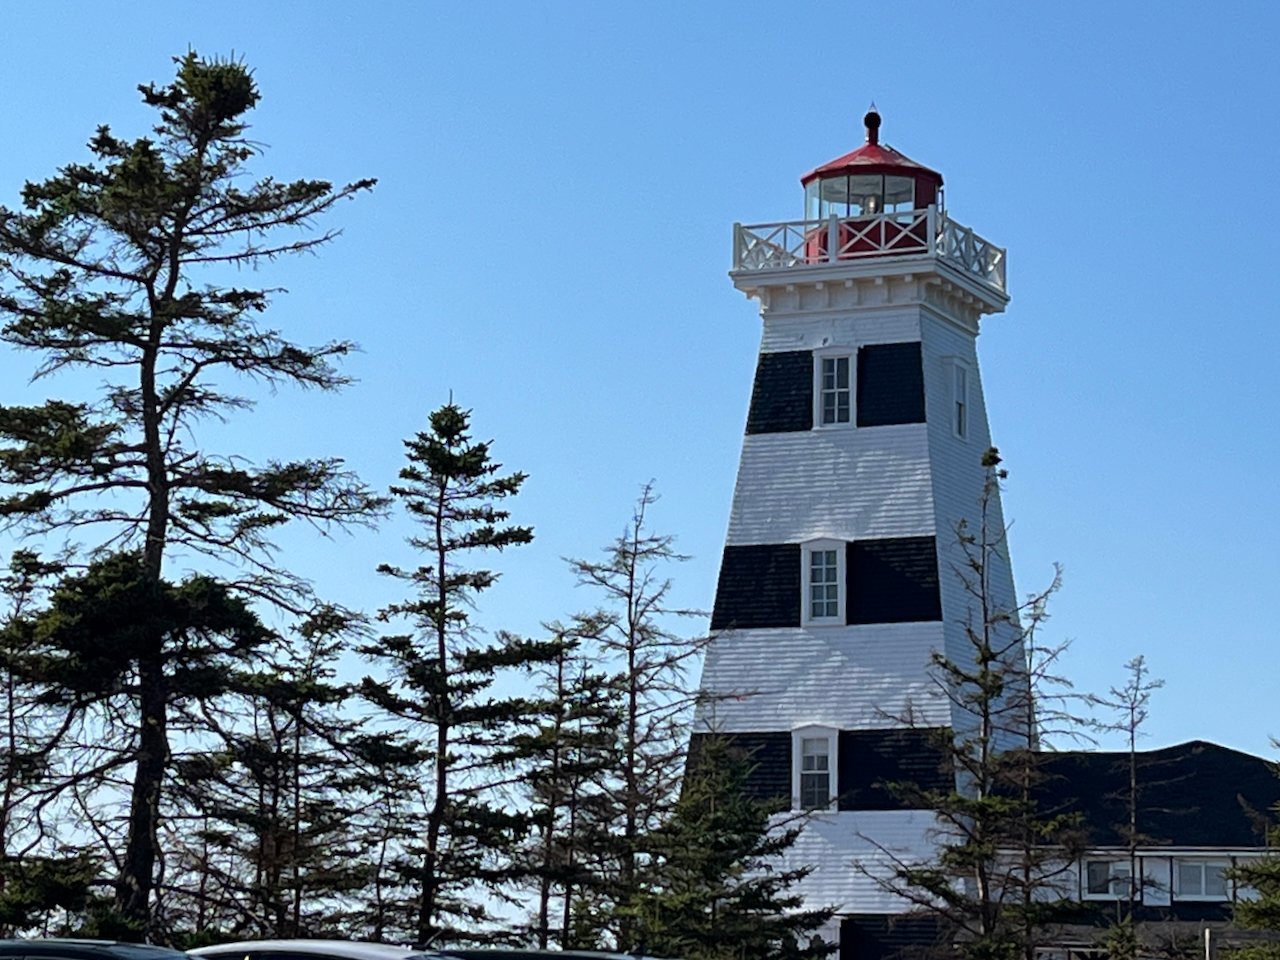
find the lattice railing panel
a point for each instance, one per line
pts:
(918, 232)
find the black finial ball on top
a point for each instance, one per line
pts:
(872, 120)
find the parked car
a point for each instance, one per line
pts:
(68, 949)
(520, 953)
(304, 949)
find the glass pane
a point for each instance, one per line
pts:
(1215, 884)
(834, 197)
(1189, 880)
(813, 753)
(815, 793)
(842, 372)
(811, 202)
(866, 195)
(899, 193)
(1098, 879)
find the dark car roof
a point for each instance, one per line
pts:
(86, 949)
(519, 953)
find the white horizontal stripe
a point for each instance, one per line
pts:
(851, 852)
(853, 678)
(849, 484)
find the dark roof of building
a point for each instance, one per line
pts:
(1194, 794)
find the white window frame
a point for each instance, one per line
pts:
(1204, 864)
(815, 731)
(819, 357)
(1123, 878)
(959, 397)
(807, 549)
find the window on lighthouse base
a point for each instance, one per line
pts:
(824, 583)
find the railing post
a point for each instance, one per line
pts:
(931, 229)
(833, 238)
(737, 246)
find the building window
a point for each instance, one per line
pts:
(956, 370)
(813, 767)
(834, 391)
(1201, 880)
(1107, 879)
(815, 773)
(823, 601)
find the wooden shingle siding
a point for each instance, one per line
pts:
(890, 937)
(893, 580)
(770, 757)
(782, 397)
(759, 586)
(850, 678)
(890, 384)
(844, 484)
(871, 759)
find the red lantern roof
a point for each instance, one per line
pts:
(872, 157)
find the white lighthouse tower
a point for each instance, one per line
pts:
(862, 455)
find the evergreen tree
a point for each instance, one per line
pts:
(89, 649)
(568, 761)
(1130, 704)
(116, 265)
(633, 630)
(996, 880)
(264, 843)
(1261, 910)
(442, 680)
(40, 872)
(716, 891)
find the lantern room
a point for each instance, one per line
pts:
(869, 182)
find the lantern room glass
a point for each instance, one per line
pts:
(858, 195)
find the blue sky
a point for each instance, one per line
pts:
(550, 237)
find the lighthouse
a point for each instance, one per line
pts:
(862, 458)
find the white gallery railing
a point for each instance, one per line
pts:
(929, 232)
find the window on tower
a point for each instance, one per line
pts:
(813, 768)
(835, 392)
(823, 601)
(957, 370)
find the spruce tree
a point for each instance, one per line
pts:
(441, 684)
(995, 882)
(716, 890)
(1259, 911)
(566, 765)
(89, 648)
(263, 842)
(117, 265)
(633, 630)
